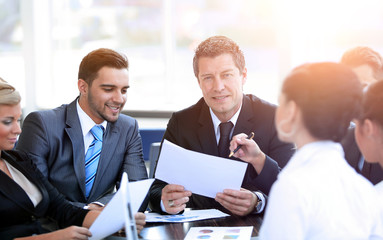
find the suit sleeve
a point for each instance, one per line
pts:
(61, 210)
(134, 163)
(33, 141)
(157, 186)
(277, 155)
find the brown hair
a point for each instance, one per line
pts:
(95, 60)
(364, 55)
(329, 96)
(215, 46)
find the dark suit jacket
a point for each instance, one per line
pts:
(18, 215)
(372, 171)
(54, 141)
(192, 128)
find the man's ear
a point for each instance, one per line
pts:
(244, 76)
(292, 110)
(82, 86)
(369, 129)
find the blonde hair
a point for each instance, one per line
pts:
(8, 94)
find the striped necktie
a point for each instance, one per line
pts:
(92, 157)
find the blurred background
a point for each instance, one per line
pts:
(43, 41)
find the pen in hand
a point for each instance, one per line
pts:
(239, 146)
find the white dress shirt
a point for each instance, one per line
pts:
(319, 196)
(216, 123)
(86, 125)
(379, 188)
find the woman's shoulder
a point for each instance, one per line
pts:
(18, 158)
(15, 155)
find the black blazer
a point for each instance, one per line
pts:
(18, 215)
(372, 171)
(192, 128)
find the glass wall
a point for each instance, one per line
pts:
(11, 40)
(42, 42)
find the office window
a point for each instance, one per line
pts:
(42, 42)
(11, 49)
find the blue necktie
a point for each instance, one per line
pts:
(92, 157)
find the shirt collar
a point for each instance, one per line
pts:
(216, 121)
(305, 153)
(85, 121)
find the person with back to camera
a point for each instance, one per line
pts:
(368, 66)
(318, 195)
(207, 127)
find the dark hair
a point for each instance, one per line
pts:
(218, 45)
(372, 103)
(329, 96)
(358, 56)
(95, 60)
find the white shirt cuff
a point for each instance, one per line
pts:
(96, 203)
(163, 207)
(263, 202)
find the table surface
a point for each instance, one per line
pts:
(179, 230)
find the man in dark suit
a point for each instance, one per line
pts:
(368, 66)
(57, 140)
(219, 66)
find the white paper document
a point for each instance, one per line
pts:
(199, 173)
(239, 233)
(187, 216)
(112, 219)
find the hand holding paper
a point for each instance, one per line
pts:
(175, 198)
(199, 173)
(112, 219)
(239, 203)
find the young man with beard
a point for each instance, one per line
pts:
(60, 141)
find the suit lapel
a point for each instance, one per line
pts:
(74, 132)
(245, 123)
(206, 134)
(14, 191)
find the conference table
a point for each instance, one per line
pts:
(179, 230)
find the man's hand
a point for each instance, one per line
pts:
(69, 233)
(174, 198)
(140, 221)
(249, 152)
(238, 202)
